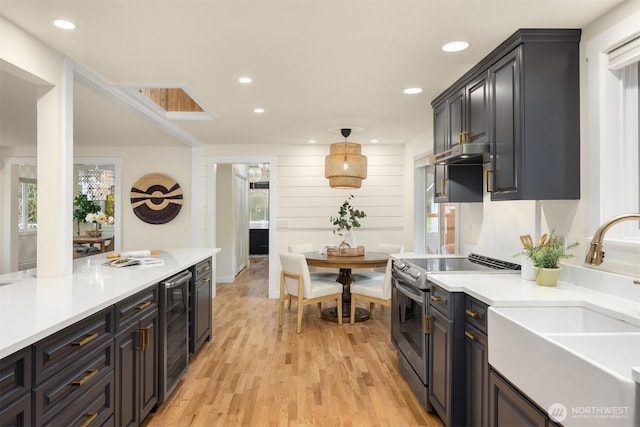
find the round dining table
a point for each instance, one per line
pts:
(345, 264)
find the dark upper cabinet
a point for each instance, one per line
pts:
(535, 119)
(521, 100)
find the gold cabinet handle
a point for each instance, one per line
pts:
(90, 417)
(142, 340)
(442, 184)
(486, 178)
(86, 340)
(472, 313)
(427, 331)
(435, 298)
(463, 138)
(143, 305)
(469, 335)
(90, 374)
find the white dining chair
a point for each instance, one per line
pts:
(378, 273)
(296, 284)
(317, 273)
(374, 290)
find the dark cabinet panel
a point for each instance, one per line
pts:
(15, 381)
(17, 413)
(200, 305)
(477, 96)
(476, 377)
(137, 358)
(440, 366)
(457, 125)
(509, 407)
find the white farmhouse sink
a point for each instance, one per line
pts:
(572, 356)
(547, 320)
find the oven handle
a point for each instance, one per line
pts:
(410, 293)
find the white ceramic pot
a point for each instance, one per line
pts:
(526, 271)
(350, 239)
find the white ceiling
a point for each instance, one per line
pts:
(316, 65)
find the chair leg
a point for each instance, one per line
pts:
(319, 310)
(372, 307)
(352, 319)
(280, 310)
(300, 307)
(339, 303)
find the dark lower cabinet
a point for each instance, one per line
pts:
(200, 307)
(137, 361)
(17, 413)
(15, 389)
(508, 407)
(446, 357)
(476, 377)
(476, 362)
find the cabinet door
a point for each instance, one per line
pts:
(148, 364)
(456, 111)
(127, 376)
(476, 377)
(440, 343)
(505, 128)
(203, 311)
(508, 407)
(17, 414)
(477, 98)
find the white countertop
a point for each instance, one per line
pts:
(33, 308)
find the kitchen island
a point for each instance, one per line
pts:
(33, 308)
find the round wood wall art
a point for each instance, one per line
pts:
(156, 198)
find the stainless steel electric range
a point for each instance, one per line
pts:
(410, 309)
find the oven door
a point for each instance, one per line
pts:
(409, 324)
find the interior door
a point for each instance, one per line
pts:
(242, 222)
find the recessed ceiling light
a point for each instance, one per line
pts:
(412, 90)
(258, 110)
(64, 24)
(245, 80)
(455, 46)
(374, 141)
(312, 141)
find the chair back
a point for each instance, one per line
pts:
(386, 284)
(296, 264)
(300, 248)
(390, 248)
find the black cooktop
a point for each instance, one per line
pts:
(434, 265)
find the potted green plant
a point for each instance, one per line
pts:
(346, 221)
(546, 257)
(83, 207)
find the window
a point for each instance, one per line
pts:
(440, 220)
(27, 205)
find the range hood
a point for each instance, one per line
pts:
(473, 153)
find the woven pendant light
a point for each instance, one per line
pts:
(345, 167)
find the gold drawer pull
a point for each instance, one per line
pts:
(427, 331)
(143, 305)
(86, 340)
(472, 314)
(205, 280)
(435, 298)
(204, 269)
(486, 178)
(90, 374)
(469, 335)
(90, 417)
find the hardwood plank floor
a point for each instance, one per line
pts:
(253, 373)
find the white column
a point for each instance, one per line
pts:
(55, 168)
(197, 198)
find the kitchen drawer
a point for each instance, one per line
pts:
(440, 299)
(133, 307)
(475, 312)
(93, 408)
(62, 390)
(202, 269)
(15, 376)
(16, 414)
(64, 348)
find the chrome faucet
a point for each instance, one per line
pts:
(595, 255)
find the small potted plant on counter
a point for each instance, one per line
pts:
(546, 256)
(83, 207)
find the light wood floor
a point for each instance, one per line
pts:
(254, 374)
